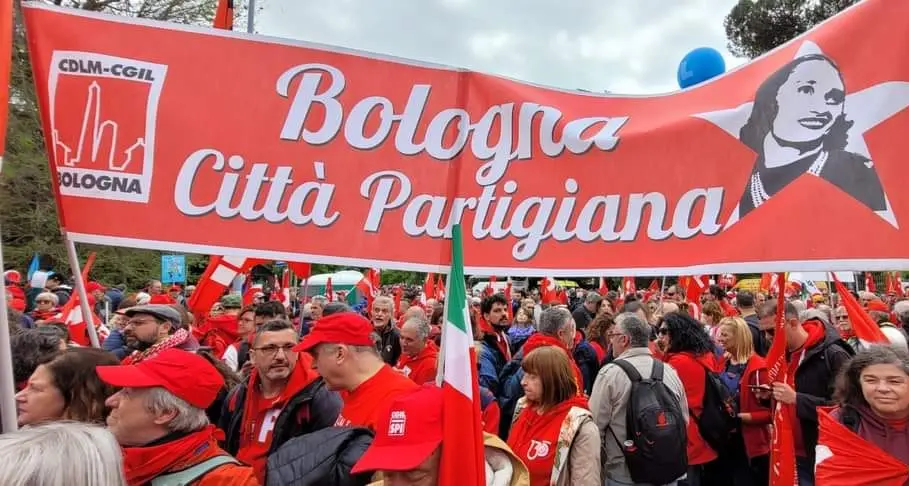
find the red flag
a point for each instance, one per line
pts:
(429, 286)
(509, 307)
(398, 293)
(869, 282)
(843, 456)
(71, 313)
(782, 444)
(329, 290)
(547, 290)
(604, 289)
(864, 327)
(224, 15)
(490, 287)
(894, 283)
(375, 278)
(6, 61)
(367, 287)
(628, 286)
(654, 286)
(765, 283)
(301, 270)
(440, 288)
(220, 273)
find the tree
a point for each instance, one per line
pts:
(28, 213)
(754, 27)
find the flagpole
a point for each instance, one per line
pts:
(251, 17)
(80, 288)
(7, 380)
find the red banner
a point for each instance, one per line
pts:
(332, 156)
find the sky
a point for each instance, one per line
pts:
(624, 46)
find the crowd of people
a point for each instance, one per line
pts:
(638, 389)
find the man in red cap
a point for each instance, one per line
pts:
(159, 419)
(407, 448)
(283, 398)
(343, 349)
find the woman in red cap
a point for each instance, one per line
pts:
(554, 432)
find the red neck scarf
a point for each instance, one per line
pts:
(142, 464)
(538, 340)
(300, 377)
(534, 437)
(501, 341)
(429, 350)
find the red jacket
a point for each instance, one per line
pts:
(693, 375)
(755, 433)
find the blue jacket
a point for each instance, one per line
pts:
(510, 379)
(490, 361)
(586, 359)
(116, 344)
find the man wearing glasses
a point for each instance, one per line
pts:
(283, 398)
(152, 328)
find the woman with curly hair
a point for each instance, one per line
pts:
(873, 393)
(689, 350)
(67, 388)
(596, 335)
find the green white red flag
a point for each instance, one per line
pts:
(462, 462)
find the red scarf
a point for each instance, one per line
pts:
(501, 341)
(534, 437)
(45, 315)
(538, 340)
(816, 331)
(142, 464)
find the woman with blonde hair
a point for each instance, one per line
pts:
(53, 454)
(744, 373)
(553, 431)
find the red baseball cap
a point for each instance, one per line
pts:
(12, 276)
(186, 375)
(93, 286)
(407, 433)
(341, 328)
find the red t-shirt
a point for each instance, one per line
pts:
(422, 367)
(363, 405)
(260, 415)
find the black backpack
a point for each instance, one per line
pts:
(718, 420)
(656, 447)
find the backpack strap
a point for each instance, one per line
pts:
(574, 419)
(632, 372)
(191, 474)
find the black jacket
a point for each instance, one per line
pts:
(761, 346)
(322, 458)
(582, 317)
(586, 359)
(313, 408)
(390, 344)
(814, 383)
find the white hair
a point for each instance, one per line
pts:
(56, 453)
(319, 299)
(901, 308)
(420, 325)
(188, 418)
(142, 298)
(49, 296)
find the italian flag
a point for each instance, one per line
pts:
(462, 461)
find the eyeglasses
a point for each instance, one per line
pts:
(842, 318)
(139, 322)
(613, 334)
(663, 331)
(272, 349)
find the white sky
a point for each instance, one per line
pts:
(624, 46)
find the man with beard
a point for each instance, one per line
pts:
(283, 398)
(389, 337)
(152, 328)
(495, 352)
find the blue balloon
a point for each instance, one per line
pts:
(700, 65)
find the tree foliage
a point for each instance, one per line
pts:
(28, 212)
(754, 27)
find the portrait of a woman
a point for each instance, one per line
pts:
(799, 124)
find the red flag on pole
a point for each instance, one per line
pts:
(224, 15)
(869, 282)
(509, 307)
(782, 444)
(490, 287)
(429, 286)
(628, 286)
(603, 289)
(864, 327)
(301, 270)
(329, 290)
